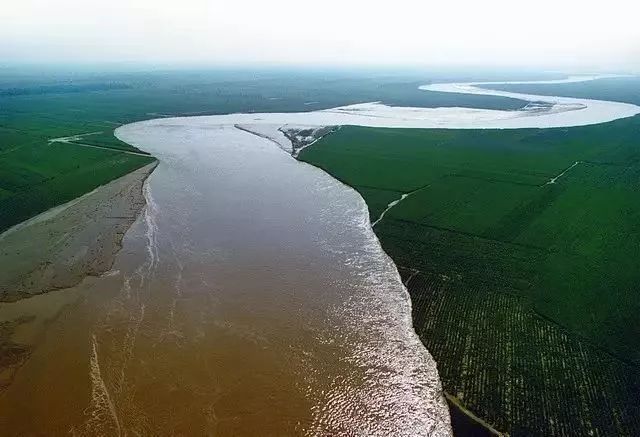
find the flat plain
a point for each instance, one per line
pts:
(36, 107)
(518, 247)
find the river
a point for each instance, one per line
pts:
(251, 297)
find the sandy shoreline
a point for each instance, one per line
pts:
(56, 250)
(81, 238)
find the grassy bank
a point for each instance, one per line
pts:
(37, 178)
(524, 291)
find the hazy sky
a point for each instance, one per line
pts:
(592, 34)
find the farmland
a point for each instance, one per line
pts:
(39, 177)
(524, 287)
(36, 107)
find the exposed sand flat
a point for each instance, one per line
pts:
(55, 250)
(58, 248)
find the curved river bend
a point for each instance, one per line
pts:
(252, 296)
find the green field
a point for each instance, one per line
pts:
(525, 292)
(37, 106)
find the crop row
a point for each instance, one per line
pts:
(518, 371)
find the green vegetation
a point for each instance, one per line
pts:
(37, 178)
(526, 292)
(36, 107)
(36, 174)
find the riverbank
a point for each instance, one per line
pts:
(58, 248)
(45, 256)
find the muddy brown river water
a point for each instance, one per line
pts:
(250, 298)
